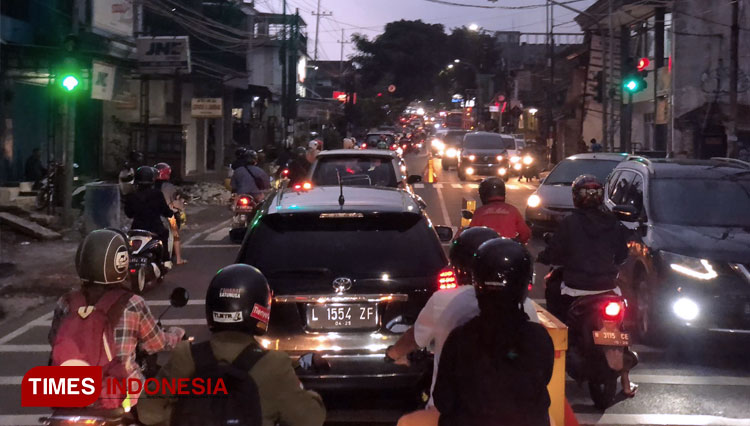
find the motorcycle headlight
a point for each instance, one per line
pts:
(527, 160)
(517, 166)
(534, 201)
(499, 158)
(515, 159)
(693, 267)
(438, 144)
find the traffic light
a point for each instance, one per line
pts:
(634, 77)
(69, 76)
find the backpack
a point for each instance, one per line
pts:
(239, 407)
(86, 336)
(259, 182)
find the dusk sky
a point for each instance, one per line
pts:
(369, 16)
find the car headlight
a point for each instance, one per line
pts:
(469, 171)
(527, 160)
(515, 159)
(451, 153)
(517, 166)
(472, 157)
(534, 201)
(502, 171)
(692, 267)
(438, 144)
(686, 309)
(499, 158)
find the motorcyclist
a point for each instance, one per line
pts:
(146, 206)
(494, 369)
(250, 179)
(495, 213)
(299, 167)
(176, 201)
(127, 173)
(240, 158)
(444, 311)
(242, 288)
(102, 265)
(348, 143)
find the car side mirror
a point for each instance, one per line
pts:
(179, 297)
(467, 214)
(411, 180)
(445, 233)
(626, 213)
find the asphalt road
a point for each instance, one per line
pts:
(700, 383)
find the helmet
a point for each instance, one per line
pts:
(251, 156)
(103, 257)
(463, 248)
(240, 152)
(164, 171)
(135, 157)
(239, 299)
(314, 144)
(503, 270)
(348, 143)
(491, 188)
(145, 175)
(588, 192)
(300, 152)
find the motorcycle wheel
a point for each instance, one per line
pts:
(138, 281)
(603, 392)
(42, 199)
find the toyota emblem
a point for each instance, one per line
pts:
(342, 284)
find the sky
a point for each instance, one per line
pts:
(370, 16)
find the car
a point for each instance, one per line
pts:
(361, 168)
(688, 270)
(350, 269)
(553, 199)
(446, 145)
(484, 153)
(373, 139)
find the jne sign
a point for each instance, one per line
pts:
(163, 55)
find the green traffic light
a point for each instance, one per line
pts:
(70, 82)
(631, 85)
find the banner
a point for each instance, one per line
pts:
(102, 81)
(114, 16)
(206, 108)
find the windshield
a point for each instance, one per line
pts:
(454, 120)
(701, 202)
(374, 139)
(488, 142)
(355, 171)
(453, 138)
(568, 170)
(357, 247)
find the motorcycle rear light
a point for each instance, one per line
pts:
(132, 271)
(612, 310)
(531, 286)
(285, 172)
(243, 201)
(364, 145)
(393, 147)
(447, 279)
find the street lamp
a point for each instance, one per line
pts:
(533, 111)
(456, 61)
(473, 27)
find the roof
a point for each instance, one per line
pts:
(500, 135)
(357, 199)
(688, 168)
(357, 153)
(616, 156)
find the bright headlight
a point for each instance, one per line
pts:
(686, 309)
(472, 157)
(502, 171)
(451, 153)
(438, 144)
(534, 201)
(469, 171)
(517, 166)
(515, 159)
(693, 267)
(527, 160)
(499, 158)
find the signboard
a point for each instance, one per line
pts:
(163, 55)
(114, 16)
(343, 97)
(206, 108)
(494, 108)
(102, 81)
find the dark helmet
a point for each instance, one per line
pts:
(164, 171)
(463, 249)
(251, 156)
(588, 192)
(300, 152)
(491, 188)
(239, 299)
(240, 152)
(503, 270)
(103, 257)
(136, 158)
(145, 175)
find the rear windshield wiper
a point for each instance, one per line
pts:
(300, 271)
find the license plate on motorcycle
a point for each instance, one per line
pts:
(342, 316)
(606, 337)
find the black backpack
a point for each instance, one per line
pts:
(239, 407)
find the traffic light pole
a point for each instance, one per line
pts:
(69, 137)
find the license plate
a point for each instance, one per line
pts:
(611, 338)
(342, 316)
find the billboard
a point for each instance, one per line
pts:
(163, 55)
(114, 16)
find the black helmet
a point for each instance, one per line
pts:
(251, 156)
(503, 270)
(300, 152)
(240, 152)
(103, 257)
(135, 158)
(239, 299)
(463, 249)
(145, 175)
(491, 187)
(588, 192)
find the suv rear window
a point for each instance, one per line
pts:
(568, 170)
(360, 171)
(488, 142)
(398, 244)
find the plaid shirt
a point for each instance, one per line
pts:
(136, 326)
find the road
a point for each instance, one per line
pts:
(698, 385)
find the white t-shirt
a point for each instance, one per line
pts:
(444, 311)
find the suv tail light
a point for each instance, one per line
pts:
(447, 279)
(612, 311)
(305, 186)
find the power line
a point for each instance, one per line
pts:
(477, 6)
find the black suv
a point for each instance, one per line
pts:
(689, 265)
(348, 276)
(484, 153)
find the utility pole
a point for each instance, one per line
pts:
(284, 89)
(317, 28)
(341, 61)
(733, 77)
(610, 132)
(69, 117)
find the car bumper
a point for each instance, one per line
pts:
(482, 169)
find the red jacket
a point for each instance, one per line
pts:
(503, 218)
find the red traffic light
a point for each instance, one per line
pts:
(643, 64)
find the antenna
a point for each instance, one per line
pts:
(341, 189)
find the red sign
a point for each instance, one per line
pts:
(343, 97)
(61, 386)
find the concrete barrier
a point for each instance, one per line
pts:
(556, 388)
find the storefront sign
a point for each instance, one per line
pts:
(206, 108)
(114, 16)
(102, 81)
(163, 55)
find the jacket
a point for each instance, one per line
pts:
(146, 208)
(505, 219)
(244, 181)
(476, 388)
(590, 245)
(282, 398)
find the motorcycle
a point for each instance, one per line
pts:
(117, 417)
(49, 193)
(147, 262)
(529, 169)
(243, 207)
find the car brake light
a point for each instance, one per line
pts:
(285, 172)
(447, 279)
(306, 185)
(612, 310)
(303, 186)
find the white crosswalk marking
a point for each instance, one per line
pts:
(418, 185)
(511, 186)
(218, 235)
(457, 186)
(473, 185)
(437, 185)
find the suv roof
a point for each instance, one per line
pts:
(617, 156)
(357, 199)
(358, 153)
(682, 168)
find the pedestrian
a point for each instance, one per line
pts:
(596, 146)
(176, 202)
(279, 398)
(496, 214)
(494, 369)
(34, 170)
(581, 148)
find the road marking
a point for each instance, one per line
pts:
(457, 185)
(25, 348)
(657, 419)
(218, 235)
(20, 419)
(208, 246)
(26, 327)
(511, 186)
(473, 185)
(418, 185)
(663, 379)
(213, 229)
(437, 185)
(443, 208)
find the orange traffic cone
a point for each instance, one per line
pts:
(570, 417)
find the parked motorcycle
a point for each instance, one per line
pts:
(243, 207)
(117, 417)
(49, 195)
(147, 262)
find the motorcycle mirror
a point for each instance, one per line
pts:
(467, 214)
(179, 297)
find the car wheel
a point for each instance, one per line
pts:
(646, 327)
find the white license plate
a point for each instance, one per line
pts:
(611, 338)
(342, 316)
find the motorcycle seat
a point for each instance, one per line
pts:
(584, 303)
(141, 233)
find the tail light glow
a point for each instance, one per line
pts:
(447, 279)
(612, 310)
(531, 286)
(132, 271)
(243, 201)
(285, 172)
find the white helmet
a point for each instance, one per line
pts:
(314, 144)
(348, 143)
